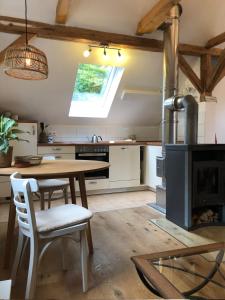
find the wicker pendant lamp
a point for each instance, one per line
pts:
(26, 61)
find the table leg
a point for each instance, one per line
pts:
(72, 190)
(10, 231)
(84, 202)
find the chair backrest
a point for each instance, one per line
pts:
(22, 191)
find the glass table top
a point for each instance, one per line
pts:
(193, 273)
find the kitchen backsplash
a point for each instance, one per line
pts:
(68, 133)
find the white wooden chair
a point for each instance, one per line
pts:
(5, 290)
(49, 186)
(46, 225)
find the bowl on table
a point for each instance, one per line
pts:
(27, 161)
(34, 160)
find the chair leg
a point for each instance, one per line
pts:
(32, 271)
(26, 240)
(63, 245)
(65, 192)
(49, 198)
(17, 256)
(83, 254)
(42, 200)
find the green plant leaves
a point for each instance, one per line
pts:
(4, 146)
(8, 132)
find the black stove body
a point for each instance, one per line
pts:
(195, 176)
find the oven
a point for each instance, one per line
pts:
(95, 152)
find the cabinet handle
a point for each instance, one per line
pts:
(58, 157)
(56, 149)
(123, 148)
(33, 130)
(92, 182)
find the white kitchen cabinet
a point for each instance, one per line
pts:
(94, 184)
(45, 150)
(30, 134)
(62, 156)
(68, 152)
(58, 152)
(21, 148)
(124, 168)
(151, 152)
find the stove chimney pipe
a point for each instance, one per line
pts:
(190, 107)
(170, 89)
(170, 76)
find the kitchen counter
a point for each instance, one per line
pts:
(104, 143)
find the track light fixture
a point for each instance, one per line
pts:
(105, 47)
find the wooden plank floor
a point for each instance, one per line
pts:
(118, 234)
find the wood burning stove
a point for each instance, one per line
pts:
(195, 176)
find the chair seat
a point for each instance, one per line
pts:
(61, 216)
(52, 183)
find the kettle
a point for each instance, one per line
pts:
(95, 138)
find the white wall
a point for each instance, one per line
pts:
(49, 100)
(219, 116)
(211, 115)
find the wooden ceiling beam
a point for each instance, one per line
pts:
(20, 41)
(206, 72)
(188, 71)
(219, 39)
(194, 50)
(62, 11)
(80, 35)
(12, 21)
(218, 72)
(156, 16)
(75, 34)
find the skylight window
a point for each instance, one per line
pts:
(94, 90)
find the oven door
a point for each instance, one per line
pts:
(99, 174)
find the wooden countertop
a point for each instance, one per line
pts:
(104, 143)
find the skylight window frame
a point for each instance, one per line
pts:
(98, 108)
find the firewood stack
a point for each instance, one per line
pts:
(207, 216)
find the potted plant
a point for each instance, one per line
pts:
(8, 132)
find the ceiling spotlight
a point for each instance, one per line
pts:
(119, 56)
(87, 53)
(105, 55)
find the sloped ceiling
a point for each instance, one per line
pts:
(49, 100)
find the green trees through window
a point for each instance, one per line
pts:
(94, 90)
(91, 79)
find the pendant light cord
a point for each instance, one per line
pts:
(26, 21)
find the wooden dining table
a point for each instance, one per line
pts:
(52, 169)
